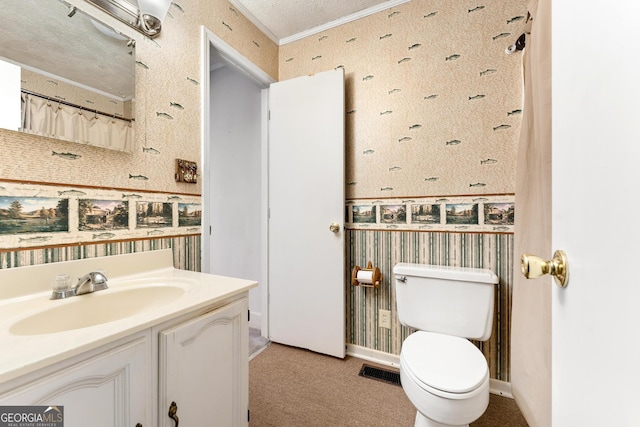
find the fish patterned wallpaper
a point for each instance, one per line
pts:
(433, 111)
(434, 107)
(433, 102)
(167, 106)
(59, 197)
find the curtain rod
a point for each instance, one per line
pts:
(69, 104)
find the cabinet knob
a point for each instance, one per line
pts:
(173, 413)
(138, 425)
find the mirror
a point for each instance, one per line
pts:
(72, 63)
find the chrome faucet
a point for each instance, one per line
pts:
(91, 282)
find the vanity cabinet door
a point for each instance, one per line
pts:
(204, 368)
(107, 390)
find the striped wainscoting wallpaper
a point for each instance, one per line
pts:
(186, 252)
(384, 249)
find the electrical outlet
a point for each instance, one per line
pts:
(384, 319)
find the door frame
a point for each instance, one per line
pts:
(241, 64)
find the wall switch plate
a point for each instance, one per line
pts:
(384, 319)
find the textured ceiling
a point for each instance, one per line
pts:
(39, 34)
(283, 19)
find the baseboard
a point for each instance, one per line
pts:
(379, 357)
(500, 388)
(255, 320)
(258, 352)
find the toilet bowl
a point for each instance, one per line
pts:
(445, 377)
(443, 374)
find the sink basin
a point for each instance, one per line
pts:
(96, 308)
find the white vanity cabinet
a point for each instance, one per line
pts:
(203, 369)
(144, 351)
(202, 364)
(107, 389)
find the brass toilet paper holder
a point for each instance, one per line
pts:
(368, 277)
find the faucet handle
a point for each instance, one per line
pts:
(99, 276)
(99, 279)
(61, 287)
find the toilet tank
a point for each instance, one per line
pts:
(449, 300)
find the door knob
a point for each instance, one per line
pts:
(533, 266)
(334, 227)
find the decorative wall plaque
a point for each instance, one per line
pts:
(186, 171)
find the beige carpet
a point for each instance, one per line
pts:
(293, 387)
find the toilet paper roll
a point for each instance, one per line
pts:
(365, 277)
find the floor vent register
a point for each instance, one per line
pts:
(380, 374)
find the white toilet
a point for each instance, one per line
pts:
(445, 376)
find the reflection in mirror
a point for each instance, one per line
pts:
(75, 75)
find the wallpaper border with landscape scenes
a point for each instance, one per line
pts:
(486, 213)
(36, 215)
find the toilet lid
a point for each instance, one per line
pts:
(443, 362)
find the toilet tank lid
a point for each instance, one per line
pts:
(465, 274)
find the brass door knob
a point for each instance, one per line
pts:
(533, 266)
(334, 227)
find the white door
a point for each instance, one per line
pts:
(596, 185)
(306, 195)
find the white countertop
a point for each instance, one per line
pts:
(22, 354)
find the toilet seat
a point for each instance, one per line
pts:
(444, 365)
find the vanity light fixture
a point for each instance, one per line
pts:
(145, 17)
(152, 13)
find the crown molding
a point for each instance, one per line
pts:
(344, 20)
(320, 28)
(254, 21)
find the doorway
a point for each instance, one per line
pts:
(234, 228)
(268, 199)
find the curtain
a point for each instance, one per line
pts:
(55, 120)
(531, 311)
(37, 115)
